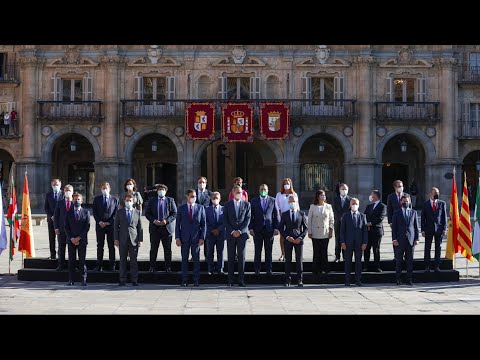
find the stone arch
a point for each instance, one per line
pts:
(7, 149)
(130, 147)
(428, 146)
(52, 139)
(336, 134)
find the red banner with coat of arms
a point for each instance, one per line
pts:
(274, 120)
(200, 121)
(237, 122)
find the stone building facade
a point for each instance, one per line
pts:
(363, 114)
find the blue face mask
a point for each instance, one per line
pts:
(405, 205)
(77, 203)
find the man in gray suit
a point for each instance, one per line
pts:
(354, 238)
(128, 235)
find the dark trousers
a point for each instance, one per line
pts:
(213, 242)
(338, 245)
(165, 237)
(351, 249)
(125, 249)
(236, 246)
(374, 241)
(62, 246)
(428, 246)
(52, 239)
(298, 259)
(264, 238)
(192, 247)
(320, 255)
(101, 233)
(72, 260)
(404, 249)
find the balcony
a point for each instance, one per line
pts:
(470, 75)
(321, 108)
(469, 129)
(8, 74)
(407, 112)
(70, 110)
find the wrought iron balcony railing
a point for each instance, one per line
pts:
(57, 110)
(392, 111)
(322, 108)
(470, 74)
(8, 74)
(469, 129)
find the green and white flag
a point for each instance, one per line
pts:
(476, 230)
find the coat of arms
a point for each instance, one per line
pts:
(274, 121)
(238, 123)
(200, 121)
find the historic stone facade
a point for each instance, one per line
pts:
(361, 114)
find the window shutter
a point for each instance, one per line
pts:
(306, 87)
(338, 90)
(56, 87)
(465, 112)
(389, 88)
(138, 90)
(222, 87)
(87, 89)
(170, 88)
(421, 90)
(254, 88)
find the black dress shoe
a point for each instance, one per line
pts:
(122, 283)
(347, 284)
(222, 273)
(241, 284)
(409, 283)
(134, 283)
(359, 283)
(196, 283)
(97, 268)
(399, 282)
(300, 283)
(168, 270)
(287, 282)
(70, 283)
(151, 270)
(60, 268)
(437, 269)
(427, 269)
(84, 283)
(210, 273)
(52, 257)
(378, 270)
(230, 284)
(337, 260)
(184, 284)
(365, 269)
(113, 268)
(257, 273)
(269, 273)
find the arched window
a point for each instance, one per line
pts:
(273, 87)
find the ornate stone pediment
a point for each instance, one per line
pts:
(406, 58)
(71, 58)
(331, 61)
(249, 61)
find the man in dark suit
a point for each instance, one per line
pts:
(190, 233)
(128, 236)
(341, 205)
(354, 235)
(236, 218)
(161, 212)
(394, 203)
(77, 224)
(203, 198)
(263, 226)
(215, 235)
(375, 213)
(104, 208)
(434, 222)
(62, 208)
(293, 227)
(405, 237)
(50, 203)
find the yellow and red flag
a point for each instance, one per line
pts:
(464, 239)
(452, 247)
(26, 244)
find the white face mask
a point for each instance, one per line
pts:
(128, 204)
(215, 201)
(130, 187)
(68, 194)
(400, 189)
(354, 207)
(161, 193)
(343, 192)
(192, 200)
(201, 185)
(105, 192)
(56, 188)
(238, 196)
(370, 198)
(292, 205)
(286, 186)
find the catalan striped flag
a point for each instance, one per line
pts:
(464, 239)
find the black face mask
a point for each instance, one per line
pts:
(435, 196)
(405, 205)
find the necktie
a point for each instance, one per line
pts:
(55, 196)
(191, 213)
(237, 206)
(129, 214)
(398, 198)
(406, 216)
(354, 218)
(215, 213)
(343, 202)
(76, 215)
(68, 205)
(264, 204)
(293, 216)
(160, 209)
(434, 207)
(105, 202)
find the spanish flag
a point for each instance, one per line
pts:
(26, 244)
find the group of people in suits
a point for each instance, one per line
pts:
(202, 221)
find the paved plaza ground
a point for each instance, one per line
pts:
(19, 297)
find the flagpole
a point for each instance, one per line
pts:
(466, 261)
(10, 254)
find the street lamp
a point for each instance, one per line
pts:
(321, 147)
(154, 146)
(403, 146)
(73, 145)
